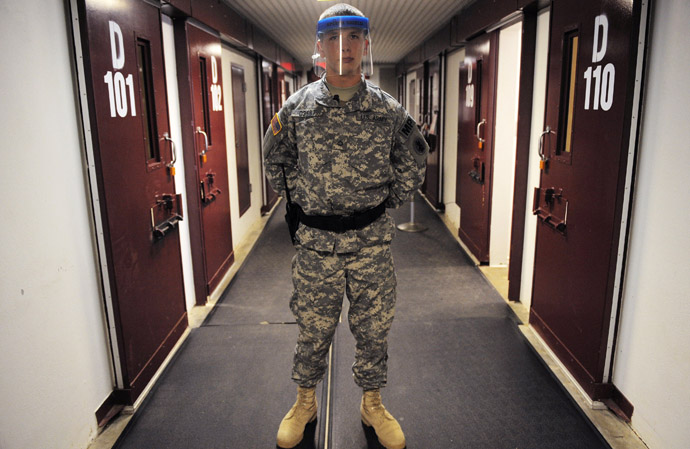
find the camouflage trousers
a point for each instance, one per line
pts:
(320, 281)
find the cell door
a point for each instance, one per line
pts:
(268, 103)
(286, 89)
(280, 94)
(592, 54)
(209, 156)
(267, 110)
(411, 99)
(431, 130)
(134, 162)
(475, 143)
(401, 89)
(415, 95)
(239, 88)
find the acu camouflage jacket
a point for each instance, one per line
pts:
(342, 158)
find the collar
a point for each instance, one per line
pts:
(361, 101)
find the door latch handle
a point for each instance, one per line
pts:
(542, 155)
(477, 172)
(549, 211)
(165, 214)
(203, 133)
(173, 155)
(481, 141)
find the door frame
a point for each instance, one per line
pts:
(99, 230)
(522, 150)
(628, 186)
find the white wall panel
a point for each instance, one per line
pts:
(505, 142)
(450, 136)
(652, 364)
(176, 135)
(538, 101)
(55, 369)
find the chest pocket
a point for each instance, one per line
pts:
(373, 140)
(311, 138)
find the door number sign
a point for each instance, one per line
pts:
(603, 78)
(216, 91)
(119, 85)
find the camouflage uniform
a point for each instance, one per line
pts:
(339, 159)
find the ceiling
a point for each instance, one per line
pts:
(397, 26)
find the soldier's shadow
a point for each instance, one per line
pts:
(372, 439)
(308, 439)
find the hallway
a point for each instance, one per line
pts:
(461, 375)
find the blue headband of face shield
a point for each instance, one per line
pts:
(339, 22)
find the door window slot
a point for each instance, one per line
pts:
(568, 90)
(147, 105)
(478, 94)
(204, 98)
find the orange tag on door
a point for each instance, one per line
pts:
(542, 164)
(480, 144)
(203, 158)
(172, 171)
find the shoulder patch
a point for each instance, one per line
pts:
(408, 127)
(419, 146)
(276, 126)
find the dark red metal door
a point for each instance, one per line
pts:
(211, 162)
(592, 54)
(475, 143)
(431, 129)
(129, 124)
(241, 153)
(268, 103)
(280, 92)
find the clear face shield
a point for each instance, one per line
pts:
(343, 46)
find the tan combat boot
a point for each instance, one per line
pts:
(375, 415)
(291, 430)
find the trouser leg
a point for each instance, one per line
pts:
(319, 282)
(371, 290)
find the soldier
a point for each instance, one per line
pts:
(346, 151)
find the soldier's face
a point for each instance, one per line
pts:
(343, 50)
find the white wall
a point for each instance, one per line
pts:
(242, 225)
(505, 142)
(412, 105)
(176, 135)
(450, 135)
(652, 364)
(55, 369)
(538, 101)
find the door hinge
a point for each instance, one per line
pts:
(244, 87)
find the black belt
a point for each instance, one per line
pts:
(342, 223)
